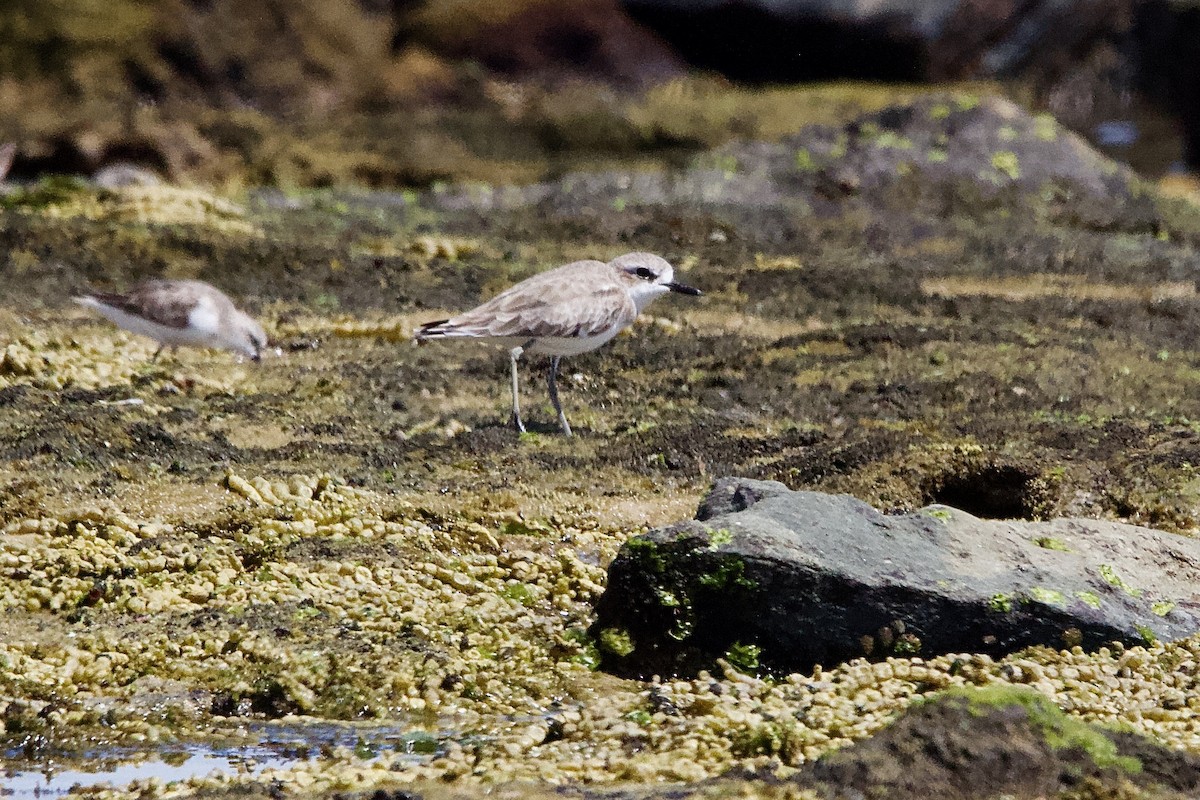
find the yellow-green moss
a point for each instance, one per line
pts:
(1110, 576)
(616, 641)
(1046, 596)
(1162, 607)
(1060, 731)
(744, 656)
(1005, 162)
(1001, 603)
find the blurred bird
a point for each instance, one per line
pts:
(180, 312)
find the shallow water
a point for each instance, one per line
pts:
(50, 781)
(279, 747)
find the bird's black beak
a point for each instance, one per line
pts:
(257, 356)
(679, 287)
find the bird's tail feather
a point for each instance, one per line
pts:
(93, 299)
(432, 330)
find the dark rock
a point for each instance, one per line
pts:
(764, 42)
(812, 578)
(1167, 41)
(9, 395)
(789, 40)
(979, 743)
(595, 39)
(1037, 41)
(1084, 59)
(988, 141)
(952, 152)
(730, 497)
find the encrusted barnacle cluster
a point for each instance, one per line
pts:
(479, 627)
(55, 361)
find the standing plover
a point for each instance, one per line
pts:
(175, 313)
(563, 312)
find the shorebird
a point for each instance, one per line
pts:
(563, 312)
(177, 312)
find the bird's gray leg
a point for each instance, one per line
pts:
(513, 355)
(157, 353)
(562, 418)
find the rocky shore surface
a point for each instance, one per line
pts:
(949, 303)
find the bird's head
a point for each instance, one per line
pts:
(249, 338)
(647, 276)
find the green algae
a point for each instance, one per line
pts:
(940, 111)
(1046, 596)
(728, 575)
(719, 538)
(647, 553)
(888, 140)
(1045, 127)
(519, 592)
(47, 193)
(589, 653)
(1001, 603)
(1006, 163)
(639, 716)
(616, 641)
(782, 739)
(1112, 578)
(940, 514)
(744, 657)
(1162, 607)
(1051, 543)
(804, 161)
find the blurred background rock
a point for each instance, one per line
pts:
(391, 93)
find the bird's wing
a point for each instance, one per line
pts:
(162, 302)
(557, 303)
(567, 317)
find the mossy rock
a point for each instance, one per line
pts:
(808, 578)
(1002, 741)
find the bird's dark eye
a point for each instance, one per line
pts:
(642, 272)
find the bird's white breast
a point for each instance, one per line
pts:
(574, 345)
(205, 319)
(643, 294)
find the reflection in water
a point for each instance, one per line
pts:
(49, 782)
(280, 747)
